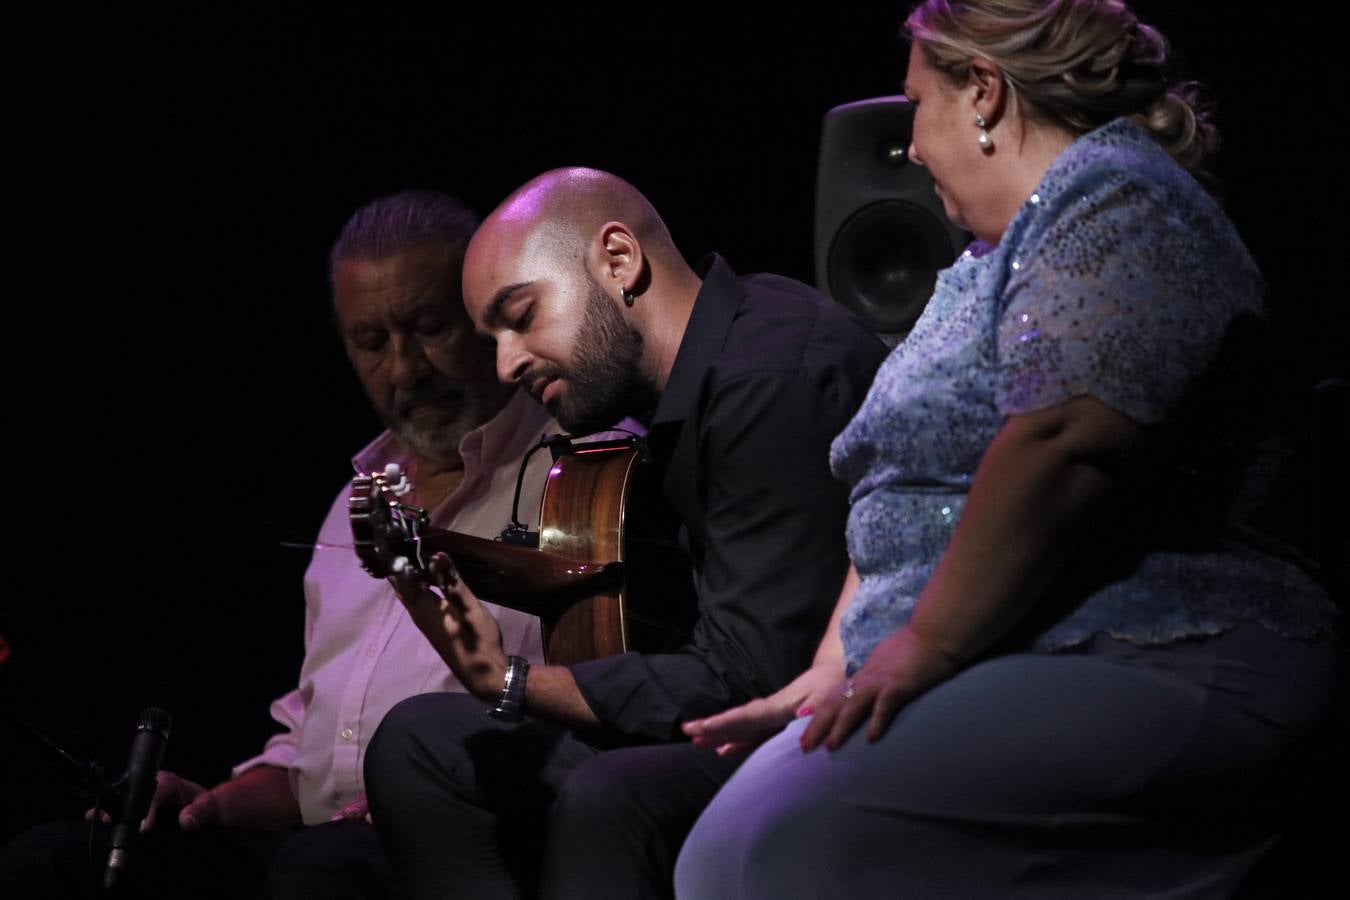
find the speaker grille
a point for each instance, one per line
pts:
(881, 234)
(883, 263)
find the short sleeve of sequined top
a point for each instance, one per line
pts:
(1123, 278)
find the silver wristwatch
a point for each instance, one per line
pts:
(511, 706)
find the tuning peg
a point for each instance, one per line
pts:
(396, 480)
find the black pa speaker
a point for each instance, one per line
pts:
(881, 234)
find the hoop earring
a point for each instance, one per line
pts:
(627, 295)
(983, 139)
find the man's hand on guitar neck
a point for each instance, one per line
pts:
(456, 623)
(467, 637)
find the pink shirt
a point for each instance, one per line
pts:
(362, 652)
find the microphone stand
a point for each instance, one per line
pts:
(89, 776)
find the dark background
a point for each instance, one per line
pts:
(176, 402)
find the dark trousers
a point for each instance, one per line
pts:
(65, 860)
(468, 806)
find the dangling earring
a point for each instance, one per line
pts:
(983, 139)
(628, 296)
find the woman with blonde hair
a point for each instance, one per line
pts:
(1065, 662)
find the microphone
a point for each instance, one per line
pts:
(138, 788)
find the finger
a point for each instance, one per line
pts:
(713, 741)
(709, 724)
(357, 809)
(887, 704)
(149, 821)
(201, 811)
(852, 713)
(822, 720)
(458, 606)
(442, 570)
(734, 748)
(755, 719)
(422, 603)
(408, 589)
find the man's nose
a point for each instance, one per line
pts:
(409, 362)
(513, 361)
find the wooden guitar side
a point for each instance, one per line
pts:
(581, 517)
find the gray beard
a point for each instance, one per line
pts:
(433, 437)
(437, 444)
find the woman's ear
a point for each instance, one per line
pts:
(990, 90)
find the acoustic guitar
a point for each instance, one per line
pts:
(604, 579)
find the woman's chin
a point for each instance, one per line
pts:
(954, 215)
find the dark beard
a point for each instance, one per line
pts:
(604, 382)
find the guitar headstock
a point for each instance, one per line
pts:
(385, 531)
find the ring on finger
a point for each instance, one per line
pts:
(848, 691)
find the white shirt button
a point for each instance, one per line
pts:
(347, 734)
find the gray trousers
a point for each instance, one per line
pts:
(1112, 771)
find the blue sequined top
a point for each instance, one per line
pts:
(1118, 278)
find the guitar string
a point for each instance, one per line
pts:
(299, 545)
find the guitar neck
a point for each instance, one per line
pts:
(532, 581)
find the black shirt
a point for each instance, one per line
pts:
(768, 372)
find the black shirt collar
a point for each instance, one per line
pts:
(715, 306)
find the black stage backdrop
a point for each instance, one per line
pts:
(177, 404)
